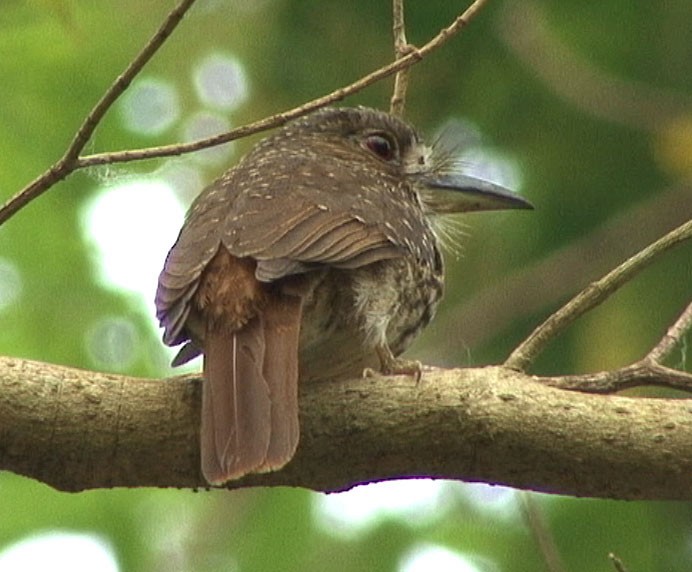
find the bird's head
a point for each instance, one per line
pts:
(386, 143)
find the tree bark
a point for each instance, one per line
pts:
(77, 430)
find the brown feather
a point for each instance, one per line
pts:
(281, 320)
(250, 392)
(300, 208)
(236, 405)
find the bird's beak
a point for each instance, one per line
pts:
(457, 193)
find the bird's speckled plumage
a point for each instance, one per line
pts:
(317, 244)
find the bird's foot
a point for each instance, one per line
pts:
(390, 365)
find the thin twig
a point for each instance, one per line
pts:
(640, 374)
(541, 532)
(647, 371)
(549, 282)
(70, 161)
(123, 81)
(278, 119)
(672, 337)
(617, 563)
(591, 296)
(401, 48)
(61, 169)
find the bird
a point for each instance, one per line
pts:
(315, 257)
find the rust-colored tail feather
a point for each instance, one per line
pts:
(250, 394)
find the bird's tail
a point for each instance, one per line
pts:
(250, 393)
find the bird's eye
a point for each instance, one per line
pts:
(381, 145)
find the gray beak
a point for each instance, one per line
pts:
(457, 193)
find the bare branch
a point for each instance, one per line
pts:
(672, 337)
(278, 119)
(591, 296)
(401, 48)
(70, 162)
(639, 374)
(647, 371)
(62, 169)
(76, 430)
(535, 287)
(123, 81)
(617, 563)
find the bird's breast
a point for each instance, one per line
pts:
(348, 312)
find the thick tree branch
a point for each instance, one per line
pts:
(78, 430)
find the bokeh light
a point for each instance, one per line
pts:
(10, 283)
(182, 177)
(59, 552)
(130, 228)
(416, 501)
(462, 141)
(430, 557)
(150, 106)
(492, 500)
(220, 81)
(113, 343)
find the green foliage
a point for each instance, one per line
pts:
(580, 165)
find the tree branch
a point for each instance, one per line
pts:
(646, 371)
(68, 163)
(672, 337)
(634, 375)
(401, 48)
(411, 58)
(77, 430)
(595, 293)
(536, 286)
(617, 563)
(71, 161)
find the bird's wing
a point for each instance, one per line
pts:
(292, 216)
(308, 213)
(195, 246)
(305, 235)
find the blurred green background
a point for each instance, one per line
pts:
(585, 108)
